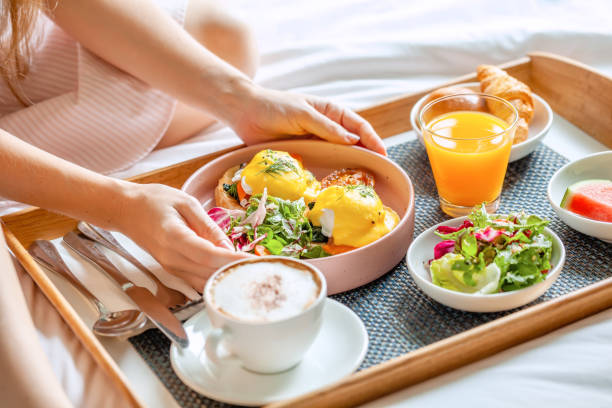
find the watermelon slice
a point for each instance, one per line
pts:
(590, 198)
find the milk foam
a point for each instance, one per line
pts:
(264, 291)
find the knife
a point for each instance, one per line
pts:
(148, 304)
(169, 297)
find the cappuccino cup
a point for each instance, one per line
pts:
(265, 312)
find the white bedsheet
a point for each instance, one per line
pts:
(364, 51)
(359, 52)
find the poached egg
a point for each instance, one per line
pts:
(352, 215)
(282, 174)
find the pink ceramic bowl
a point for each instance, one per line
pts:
(360, 266)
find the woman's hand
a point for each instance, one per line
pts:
(134, 37)
(170, 224)
(266, 114)
(174, 228)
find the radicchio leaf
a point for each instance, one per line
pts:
(223, 216)
(443, 248)
(245, 246)
(257, 217)
(445, 229)
(234, 235)
(241, 241)
(293, 250)
(488, 234)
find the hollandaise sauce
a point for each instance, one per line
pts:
(352, 215)
(282, 174)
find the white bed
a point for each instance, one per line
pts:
(359, 52)
(364, 51)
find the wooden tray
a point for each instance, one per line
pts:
(573, 90)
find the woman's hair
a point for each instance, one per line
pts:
(16, 25)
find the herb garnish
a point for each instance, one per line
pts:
(277, 164)
(231, 190)
(281, 165)
(363, 190)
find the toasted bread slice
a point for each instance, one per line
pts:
(347, 177)
(222, 199)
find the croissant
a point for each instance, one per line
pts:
(497, 82)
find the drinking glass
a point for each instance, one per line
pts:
(468, 149)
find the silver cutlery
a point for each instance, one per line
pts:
(148, 304)
(124, 323)
(169, 297)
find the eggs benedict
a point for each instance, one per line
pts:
(282, 174)
(351, 216)
(301, 216)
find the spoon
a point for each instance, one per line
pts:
(109, 324)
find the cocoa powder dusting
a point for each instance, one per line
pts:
(267, 294)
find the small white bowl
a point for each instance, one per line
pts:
(594, 166)
(421, 251)
(538, 127)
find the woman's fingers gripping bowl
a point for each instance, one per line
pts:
(320, 125)
(369, 137)
(189, 255)
(352, 122)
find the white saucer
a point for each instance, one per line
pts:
(338, 350)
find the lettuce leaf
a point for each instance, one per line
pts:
(523, 264)
(469, 245)
(480, 217)
(454, 272)
(316, 251)
(317, 234)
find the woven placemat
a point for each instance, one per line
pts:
(398, 316)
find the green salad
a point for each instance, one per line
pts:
(492, 253)
(271, 226)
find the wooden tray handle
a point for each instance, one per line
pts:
(575, 91)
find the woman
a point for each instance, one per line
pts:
(90, 87)
(120, 66)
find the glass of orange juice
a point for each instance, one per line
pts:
(468, 145)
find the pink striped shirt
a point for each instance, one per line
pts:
(84, 109)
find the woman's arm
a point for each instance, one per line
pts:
(35, 177)
(141, 39)
(27, 377)
(166, 222)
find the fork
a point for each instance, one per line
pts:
(169, 297)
